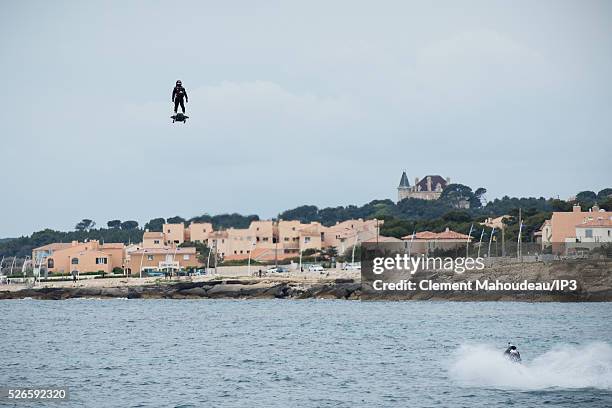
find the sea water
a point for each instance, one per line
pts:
(312, 353)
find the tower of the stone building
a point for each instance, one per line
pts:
(404, 187)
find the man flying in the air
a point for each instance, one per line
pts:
(178, 93)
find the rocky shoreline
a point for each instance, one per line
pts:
(594, 285)
(212, 289)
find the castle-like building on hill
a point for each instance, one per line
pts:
(428, 188)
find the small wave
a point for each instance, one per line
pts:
(565, 366)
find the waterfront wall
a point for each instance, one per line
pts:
(594, 284)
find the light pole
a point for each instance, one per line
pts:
(490, 239)
(410, 244)
(144, 251)
(40, 266)
(518, 243)
(480, 243)
(518, 240)
(13, 264)
(300, 249)
(300, 266)
(208, 257)
(354, 246)
(174, 259)
(23, 267)
(469, 238)
(250, 251)
(276, 243)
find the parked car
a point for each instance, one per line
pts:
(277, 269)
(315, 268)
(155, 273)
(351, 267)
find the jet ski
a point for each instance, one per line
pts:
(512, 354)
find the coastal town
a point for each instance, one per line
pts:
(262, 242)
(269, 242)
(178, 247)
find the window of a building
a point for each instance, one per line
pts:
(51, 263)
(101, 261)
(75, 261)
(149, 257)
(588, 233)
(156, 241)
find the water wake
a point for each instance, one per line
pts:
(565, 366)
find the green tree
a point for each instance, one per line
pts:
(85, 225)
(129, 225)
(457, 216)
(586, 198)
(304, 213)
(201, 249)
(329, 253)
(155, 225)
(606, 204)
(456, 194)
(176, 220)
(478, 197)
(604, 194)
(561, 205)
(114, 224)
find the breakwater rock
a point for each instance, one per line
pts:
(213, 289)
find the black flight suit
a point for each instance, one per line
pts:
(178, 93)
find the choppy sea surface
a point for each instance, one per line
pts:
(312, 353)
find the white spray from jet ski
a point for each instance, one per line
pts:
(565, 366)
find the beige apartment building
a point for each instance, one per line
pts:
(345, 234)
(153, 240)
(426, 241)
(161, 259)
(80, 257)
(198, 231)
(262, 240)
(269, 238)
(566, 229)
(175, 234)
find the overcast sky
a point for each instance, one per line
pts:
(291, 103)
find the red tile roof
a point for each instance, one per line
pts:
(598, 223)
(438, 236)
(54, 246)
(157, 251)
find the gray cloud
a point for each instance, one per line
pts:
(319, 102)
